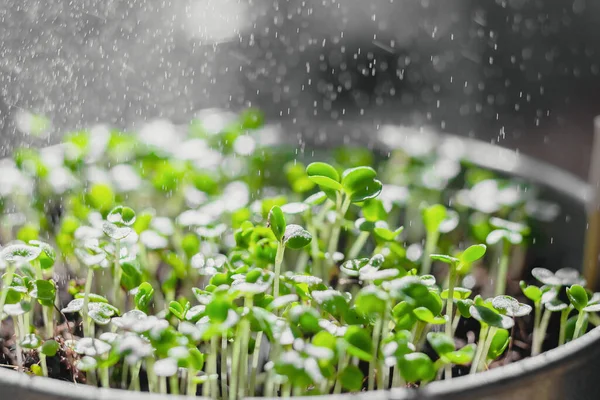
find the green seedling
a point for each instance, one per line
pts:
(506, 235)
(467, 257)
(355, 185)
(579, 299)
(199, 294)
(291, 236)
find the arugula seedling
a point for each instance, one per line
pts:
(490, 320)
(579, 299)
(93, 257)
(292, 236)
(467, 257)
(10, 258)
(507, 234)
(117, 227)
(45, 293)
(356, 185)
(445, 348)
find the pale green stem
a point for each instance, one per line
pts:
(593, 319)
(224, 359)
(503, 269)
(124, 375)
(255, 359)
(117, 275)
(375, 352)
(450, 314)
(8, 277)
(430, 246)
(286, 390)
(235, 364)
(192, 386)
(358, 244)
(48, 313)
(397, 380)
(27, 323)
(270, 389)
(314, 251)
(86, 300)
(539, 337)
(243, 374)
(214, 350)
(564, 317)
(480, 345)
(537, 318)
(486, 348)
(135, 377)
(278, 262)
(174, 384)
(455, 322)
(151, 375)
(342, 362)
(19, 351)
(418, 334)
(384, 370)
(313, 229)
(211, 368)
(579, 324)
(335, 232)
(162, 384)
(44, 364)
(104, 381)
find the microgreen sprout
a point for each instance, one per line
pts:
(232, 280)
(505, 235)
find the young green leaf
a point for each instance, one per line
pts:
(296, 237)
(490, 317)
(359, 342)
(383, 233)
(578, 297)
(533, 293)
(50, 348)
(121, 215)
(425, 315)
(445, 259)
(416, 367)
(499, 344)
(365, 190)
(473, 253)
(462, 356)
(143, 296)
(45, 292)
(440, 342)
(352, 378)
(324, 175)
(352, 178)
(276, 222)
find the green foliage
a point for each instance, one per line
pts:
(219, 210)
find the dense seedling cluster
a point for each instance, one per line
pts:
(196, 261)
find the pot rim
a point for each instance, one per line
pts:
(387, 137)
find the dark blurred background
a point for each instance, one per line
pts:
(521, 73)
